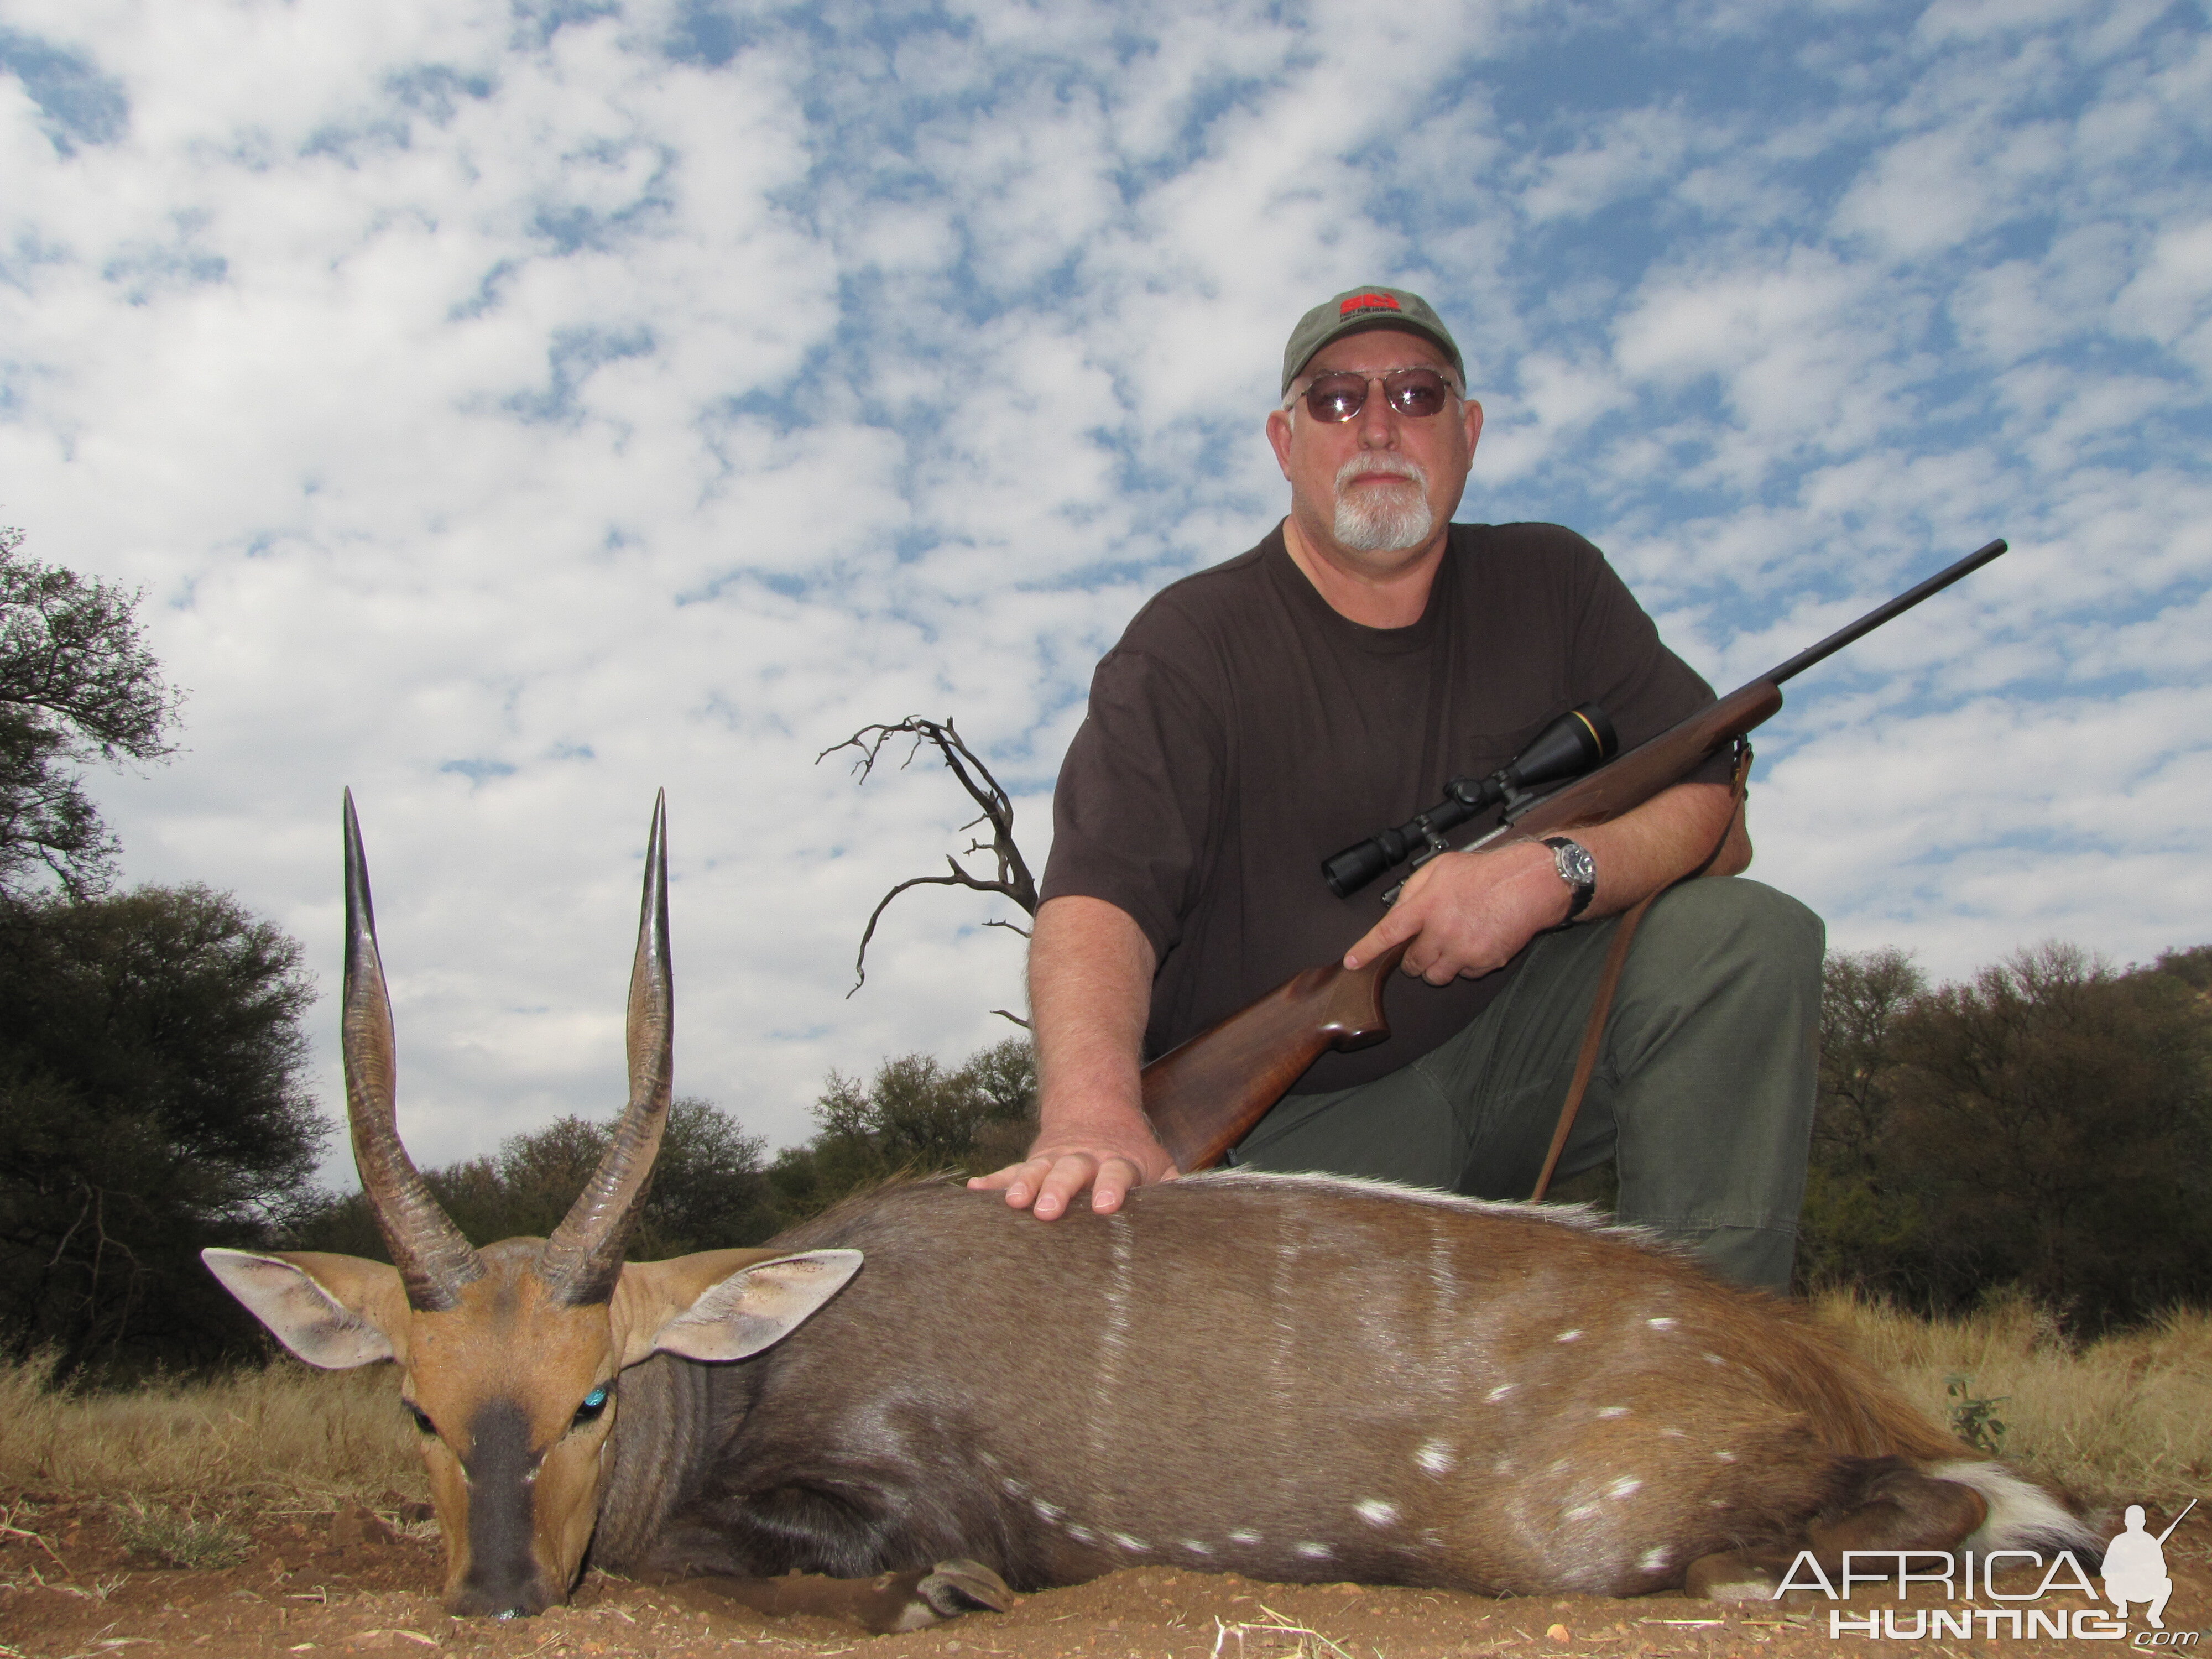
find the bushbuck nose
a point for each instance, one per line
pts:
(501, 1595)
(503, 1578)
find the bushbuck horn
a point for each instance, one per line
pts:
(432, 1258)
(584, 1257)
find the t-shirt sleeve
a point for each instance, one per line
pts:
(1641, 684)
(1139, 794)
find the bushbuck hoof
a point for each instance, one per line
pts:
(1737, 1575)
(961, 1586)
(889, 1603)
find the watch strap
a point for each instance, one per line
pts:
(1577, 868)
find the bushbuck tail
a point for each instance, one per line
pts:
(1292, 1378)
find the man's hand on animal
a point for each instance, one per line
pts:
(1106, 1158)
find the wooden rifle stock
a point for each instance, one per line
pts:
(1204, 1095)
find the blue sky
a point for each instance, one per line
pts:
(511, 410)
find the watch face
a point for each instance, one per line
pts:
(1575, 863)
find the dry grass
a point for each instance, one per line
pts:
(277, 1435)
(181, 1537)
(2125, 1420)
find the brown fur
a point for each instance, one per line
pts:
(1295, 1378)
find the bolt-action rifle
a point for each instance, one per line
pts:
(1206, 1094)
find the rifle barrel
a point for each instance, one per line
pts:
(1880, 614)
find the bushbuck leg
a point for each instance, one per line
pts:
(884, 1605)
(1894, 1507)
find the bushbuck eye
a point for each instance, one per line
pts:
(594, 1403)
(421, 1417)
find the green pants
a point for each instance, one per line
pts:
(1703, 1093)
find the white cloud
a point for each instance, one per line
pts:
(508, 419)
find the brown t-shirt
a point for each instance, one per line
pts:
(1243, 730)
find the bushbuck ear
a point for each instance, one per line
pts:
(334, 1311)
(724, 1305)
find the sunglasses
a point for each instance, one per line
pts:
(1416, 393)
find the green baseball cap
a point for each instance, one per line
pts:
(1359, 309)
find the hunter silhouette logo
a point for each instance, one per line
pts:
(2135, 1567)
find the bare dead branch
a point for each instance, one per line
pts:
(1011, 876)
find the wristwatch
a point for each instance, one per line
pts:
(1577, 868)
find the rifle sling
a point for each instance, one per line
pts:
(1616, 958)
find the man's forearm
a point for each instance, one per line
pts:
(1471, 913)
(1090, 989)
(1660, 841)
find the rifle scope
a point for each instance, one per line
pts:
(1571, 744)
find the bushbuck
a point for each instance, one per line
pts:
(1292, 1378)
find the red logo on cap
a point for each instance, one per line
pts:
(1368, 302)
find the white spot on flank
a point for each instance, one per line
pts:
(1725, 1457)
(1244, 1535)
(1580, 1511)
(1568, 1336)
(1283, 1366)
(1046, 1511)
(1314, 1552)
(1503, 1466)
(1662, 1324)
(1624, 1487)
(1197, 1548)
(1714, 1359)
(1082, 1534)
(1436, 1457)
(1652, 1561)
(1113, 1336)
(1013, 1488)
(1375, 1512)
(1613, 1410)
(1675, 1434)
(1125, 1542)
(1498, 1393)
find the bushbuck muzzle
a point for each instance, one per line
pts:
(1294, 1378)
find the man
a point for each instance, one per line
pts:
(2135, 1568)
(1262, 714)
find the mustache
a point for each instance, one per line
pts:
(1382, 460)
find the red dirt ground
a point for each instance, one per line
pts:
(353, 1584)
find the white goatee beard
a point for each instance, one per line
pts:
(1384, 518)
